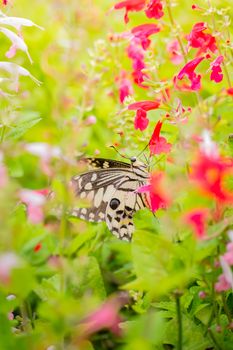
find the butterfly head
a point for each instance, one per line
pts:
(135, 163)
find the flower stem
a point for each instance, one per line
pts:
(2, 133)
(226, 309)
(217, 346)
(173, 23)
(179, 320)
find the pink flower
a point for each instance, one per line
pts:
(222, 285)
(3, 176)
(141, 121)
(4, 2)
(158, 198)
(154, 9)
(158, 144)
(91, 120)
(130, 5)
(143, 31)
(45, 152)
(197, 219)
(173, 49)
(107, 316)
(125, 86)
(228, 256)
(188, 70)
(8, 261)
(34, 199)
(216, 69)
(136, 54)
(203, 41)
(210, 173)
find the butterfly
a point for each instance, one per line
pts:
(111, 189)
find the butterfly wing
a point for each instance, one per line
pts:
(121, 208)
(103, 163)
(112, 197)
(97, 187)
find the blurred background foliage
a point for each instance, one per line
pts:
(65, 269)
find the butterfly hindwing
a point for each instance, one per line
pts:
(111, 193)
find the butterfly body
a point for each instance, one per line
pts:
(111, 188)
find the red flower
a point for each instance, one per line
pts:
(154, 9)
(37, 247)
(158, 199)
(230, 91)
(146, 105)
(203, 41)
(210, 173)
(130, 5)
(158, 144)
(197, 219)
(143, 31)
(125, 86)
(4, 2)
(173, 49)
(188, 70)
(141, 121)
(216, 73)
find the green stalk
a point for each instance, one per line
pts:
(214, 340)
(179, 321)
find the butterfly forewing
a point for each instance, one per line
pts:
(112, 195)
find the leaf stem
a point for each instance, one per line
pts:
(179, 320)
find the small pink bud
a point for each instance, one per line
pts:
(218, 328)
(202, 294)
(91, 120)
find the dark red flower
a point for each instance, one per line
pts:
(124, 85)
(130, 5)
(143, 31)
(216, 69)
(158, 144)
(197, 219)
(4, 2)
(210, 172)
(154, 9)
(200, 40)
(188, 70)
(158, 198)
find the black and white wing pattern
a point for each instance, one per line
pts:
(111, 190)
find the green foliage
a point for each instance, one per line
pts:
(61, 276)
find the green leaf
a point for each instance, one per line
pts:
(24, 124)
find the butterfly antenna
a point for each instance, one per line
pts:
(143, 150)
(119, 152)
